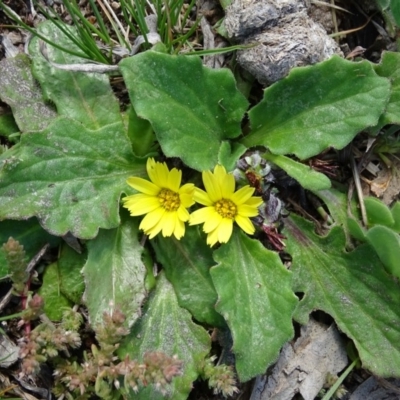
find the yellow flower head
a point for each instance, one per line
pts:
(223, 206)
(162, 200)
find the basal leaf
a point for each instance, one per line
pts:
(191, 108)
(387, 245)
(20, 91)
(55, 302)
(389, 67)
(306, 176)
(377, 212)
(114, 272)
(187, 264)
(395, 9)
(396, 216)
(68, 176)
(85, 97)
(352, 287)
(70, 265)
(319, 106)
(337, 203)
(169, 328)
(256, 300)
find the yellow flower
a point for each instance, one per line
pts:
(223, 206)
(162, 200)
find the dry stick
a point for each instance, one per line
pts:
(357, 182)
(334, 19)
(342, 33)
(106, 7)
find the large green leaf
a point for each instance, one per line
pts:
(70, 265)
(395, 9)
(389, 67)
(63, 283)
(337, 203)
(306, 176)
(317, 107)
(20, 91)
(68, 176)
(187, 265)
(82, 96)
(352, 287)
(168, 328)
(114, 272)
(386, 243)
(55, 303)
(256, 300)
(192, 108)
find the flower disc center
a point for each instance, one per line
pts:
(169, 199)
(226, 208)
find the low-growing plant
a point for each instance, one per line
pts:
(169, 158)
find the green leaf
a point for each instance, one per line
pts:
(337, 202)
(352, 287)
(140, 134)
(383, 4)
(387, 245)
(317, 107)
(55, 302)
(187, 264)
(168, 328)
(70, 265)
(256, 300)
(355, 229)
(191, 108)
(29, 234)
(68, 176)
(377, 212)
(389, 67)
(396, 216)
(20, 91)
(229, 153)
(114, 272)
(84, 97)
(395, 9)
(306, 176)
(8, 126)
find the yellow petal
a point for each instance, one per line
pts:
(245, 224)
(242, 195)
(152, 219)
(212, 238)
(138, 205)
(201, 215)
(254, 201)
(212, 186)
(155, 230)
(225, 181)
(158, 173)
(182, 214)
(202, 197)
(212, 222)
(186, 200)
(247, 211)
(179, 229)
(225, 230)
(169, 220)
(174, 180)
(143, 186)
(186, 193)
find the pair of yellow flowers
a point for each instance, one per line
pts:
(165, 203)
